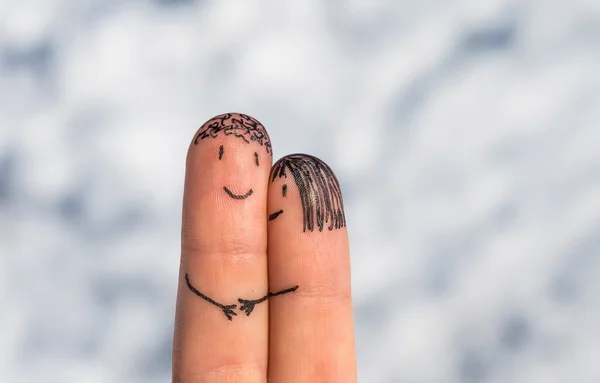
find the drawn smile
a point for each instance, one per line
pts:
(237, 196)
(275, 215)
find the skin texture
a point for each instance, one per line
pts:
(264, 286)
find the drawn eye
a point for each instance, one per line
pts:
(220, 152)
(284, 190)
(256, 158)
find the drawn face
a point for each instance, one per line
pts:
(279, 212)
(318, 189)
(226, 189)
(247, 129)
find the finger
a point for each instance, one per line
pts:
(311, 335)
(224, 240)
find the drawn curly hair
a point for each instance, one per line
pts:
(319, 190)
(238, 125)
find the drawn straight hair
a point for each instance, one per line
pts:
(319, 190)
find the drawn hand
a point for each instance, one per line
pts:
(267, 242)
(247, 306)
(228, 310)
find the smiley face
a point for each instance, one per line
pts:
(240, 126)
(226, 189)
(318, 190)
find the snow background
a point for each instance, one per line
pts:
(465, 135)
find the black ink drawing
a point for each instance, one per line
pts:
(275, 215)
(236, 196)
(246, 305)
(227, 309)
(319, 190)
(238, 125)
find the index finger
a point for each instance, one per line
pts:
(311, 332)
(218, 338)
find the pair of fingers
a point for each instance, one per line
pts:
(264, 288)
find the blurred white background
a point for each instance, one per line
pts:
(466, 136)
